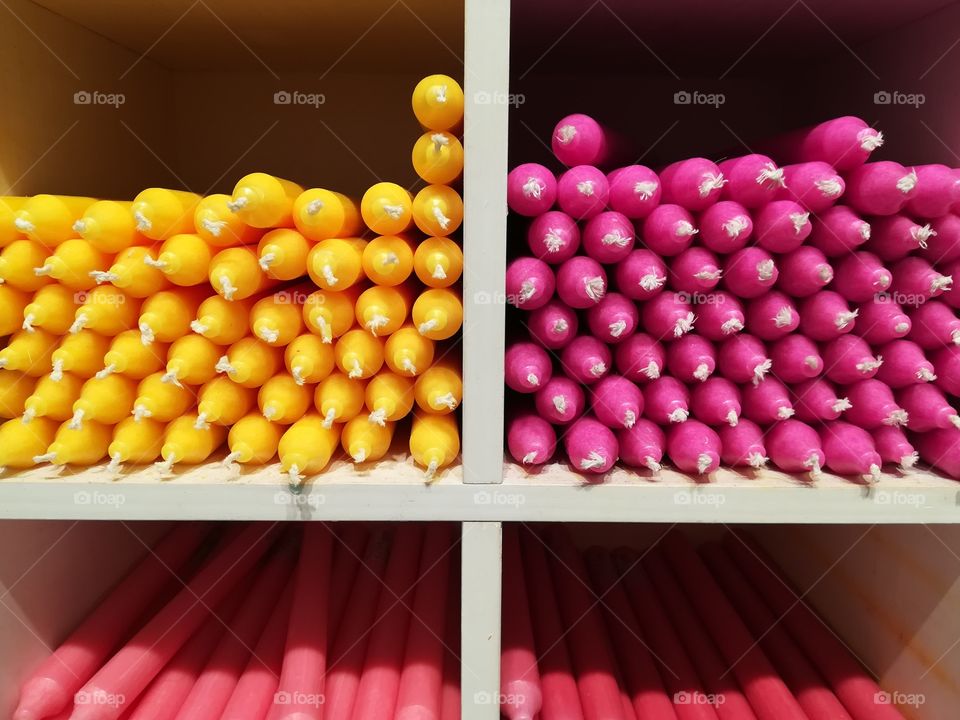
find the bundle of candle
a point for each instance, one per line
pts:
(710, 327)
(175, 323)
(672, 634)
(254, 622)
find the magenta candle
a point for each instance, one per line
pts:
(694, 447)
(838, 231)
(695, 270)
(795, 447)
(641, 446)
(943, 244)
(815, 185)
(750, 272)
(586, 359)
(613, 319)
(796, 358)
(849, 450)
(529, 283)
(531, 440)
(938, 188)
(634, 191)
(881, 322)
(560, 400)
(896, 236)
(716, 402)
(641, 275)
(553, 325)
(531, 189)
(668, 230)
(694, 184)
(826, 315)
(741, 445)
(766, 403)
(772, 316)
(719, 316)
(864, 276)
(582, 192)
(553, 237)
(848, 359)
(804, 272)
(904, 363)
(915, 277)
(893, 446)
(691, 358)
(843, 142)
(132, 668)
(781, 226)
(640, 358)
(725, 227)
(617, 402)
(816, 399)
(743, 358)
(578, 139)
(666, 400)
(591, 446)
(880, 188)
(934, 325)
(946, 363)
(527, 367)
(752, 180)
(51, 687)
(608, 237)
(668, 315)
(581, 282)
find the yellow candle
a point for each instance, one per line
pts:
(434, 441)
(337, 263)
(132, 272)
(308, 359)
(283, 254)
(53, 399)
(80, 353)
(388, 397)
(106, 310)
(235, 273)
(407, 352)
(167, 315)
(29, 352)
(109, 226)
(222, 321)
(160, 213)
(320, 214)
(264, 201)
(51, 309)
(250, 362)
(74, 263)
(13, 309)
(277, 319)
(387, 208)
(438, 157)
(223, 402)
(84, 445)
(388, 259)
(184, 258)
(438, 102)
(162, 401)
(49, 219)
(365, 441)
(306, 447)
(136, 442)
(282, 400)
(253, 440)
(330, 314)
(129, 356)
(339, 398)
(218, 225)
(438, 262)
(192, 359)
(438, 210)
(440, 389)
(108, 399)
(8, 212)
(359, 354)
(17, 262)
(183, 442)
(383, 310)
(15, 388)
(437, 313)
(20, 443)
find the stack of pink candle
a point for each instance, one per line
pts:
(306, 623)
(737, 313)
(672, 634)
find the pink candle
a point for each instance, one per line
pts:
(641, 275)
(376, 697)
(608, 237)
(634, 190)
(521, 697)
(782, 226)
(347, 551)
(752, 180)
(553, 325)
(531, 189)
(560, 400)
(844, 142)
(214, 686)
(131, 669)
(305, 657)
(422, 680)
(50, 689)
(614, 318)
(815, 185)
(350, 643)
(553, 237)
(450, 694)
(694, 183)
(582, 191)
(578, 139)
(725, 227)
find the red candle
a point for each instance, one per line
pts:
(300, 692)
(768, 695)
(816, 699)
(677, 671)
(350, 644)
(853, 686)
(132, 668)
(422, 679)
(253, 696)
(561, 699)
(642, 682)
(347, 551)
(218, 679)
(377, 692)
(450, 695)
(592, 656)
(727, 698)
(520, 695)
(50, 690)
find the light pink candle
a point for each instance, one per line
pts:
(521, 697)
(305, 657)
(131, 669)
(50, 689)
(348, 547)
(376, 697)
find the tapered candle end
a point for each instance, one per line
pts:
(40, 698)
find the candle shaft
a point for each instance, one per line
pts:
(521, 698)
